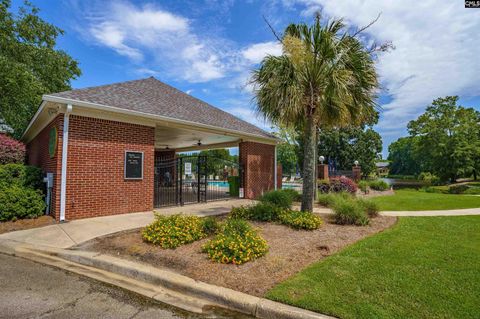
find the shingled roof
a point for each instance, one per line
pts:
(154, 97)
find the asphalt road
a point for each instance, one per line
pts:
(31, 290)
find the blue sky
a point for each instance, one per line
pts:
(208, 48)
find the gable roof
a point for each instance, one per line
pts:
(154, 97)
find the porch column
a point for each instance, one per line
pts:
(258, 163)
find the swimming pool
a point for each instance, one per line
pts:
(218, 183)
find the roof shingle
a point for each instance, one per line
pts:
(157, 98)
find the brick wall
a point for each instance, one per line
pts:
(38, 155)
(258, 168)
(95, 169)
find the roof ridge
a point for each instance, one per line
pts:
(104, 85)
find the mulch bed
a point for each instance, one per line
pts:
(290, 251)
(22, 224)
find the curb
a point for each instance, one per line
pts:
(160, 284)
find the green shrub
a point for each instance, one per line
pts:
(278, 198)
(328, 200)
(237, 244)
(210, 225)
(379, 185)
(363, 186)
(429, 179)
(21, 175)
(300, 220)
(349, 212)
(370, 207)
(294, 195)
(18, 202)
(458, 189)
(265, 212)
(173, 231)
(240, 212)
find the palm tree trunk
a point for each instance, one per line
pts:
(308, 165)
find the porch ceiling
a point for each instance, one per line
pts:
(181, 138)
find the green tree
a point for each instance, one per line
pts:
(448, 138)
(403, 158)
(324, 78)
(287, 151)
(29, 64)
(344, 146)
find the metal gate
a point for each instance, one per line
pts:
(190, 179)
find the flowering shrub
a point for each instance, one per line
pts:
(238, 243)
(300, 220)
(173, 231)
(342, 184)
(11, 151)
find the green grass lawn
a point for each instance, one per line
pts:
(424, 267)
(415, 200)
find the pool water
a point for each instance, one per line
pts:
(218, 183)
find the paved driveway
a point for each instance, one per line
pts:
(31, 290)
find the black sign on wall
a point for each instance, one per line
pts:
(133, 165)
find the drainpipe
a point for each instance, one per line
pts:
(275, 168)
(63, 185)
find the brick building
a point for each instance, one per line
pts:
(101, 146)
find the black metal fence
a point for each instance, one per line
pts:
(190, 179)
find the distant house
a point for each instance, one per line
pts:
(383, 168)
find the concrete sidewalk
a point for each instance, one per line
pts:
(451, 212)
(75, 232)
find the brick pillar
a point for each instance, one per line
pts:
(322, 171)
(279, 175)
(258, 161)
(357, 173)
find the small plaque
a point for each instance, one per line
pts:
(188, 168)
(133, 165)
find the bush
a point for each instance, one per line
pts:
(379, 185)
(173, 231)
(294, 195)
(323, 186)
(430, 189)
(300, 220)
(210, 225)
(237, 244)
(11, 151)
(349, 212)
(429, 179)
(240, 212)
(18, 202)
(278, 198)
(370, 207)
(21, 175)
(458, 189)
(265, 212)
(363, 186)
(328, 200)
(343, 184)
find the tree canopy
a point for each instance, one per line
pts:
(30, 65)
(445, 141)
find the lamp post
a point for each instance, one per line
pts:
(321, 159)
(356, 163)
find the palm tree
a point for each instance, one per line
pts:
(324, 78)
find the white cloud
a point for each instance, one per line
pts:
(437, 49)
(256, 52)
(150, 35)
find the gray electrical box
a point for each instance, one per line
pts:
(48, 180)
